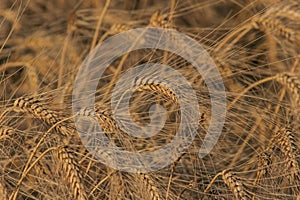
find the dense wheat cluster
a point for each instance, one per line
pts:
(255, 46)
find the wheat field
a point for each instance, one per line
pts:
(255, 46)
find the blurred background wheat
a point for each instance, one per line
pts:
(255, 45)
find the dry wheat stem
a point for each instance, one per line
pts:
(14, 195)
(241, 31)
(190, 185)
(101, 16)
(101, 182)
(172, 173)
(62, 61)
(5, 112)
(241, 94)
(212, 182)
(122, 61)
(245, 142)
(27, 166)
(160, 21)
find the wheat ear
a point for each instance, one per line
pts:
(232, 181)
(118, 28)
(274, 26)
(235, 185)
(292, 82)
(6, 131)
(150, 187)
(285, 140)
(264, 163)
(39, 110)
(116, 185)
(152, 84)
(72, 173)
(105, 119)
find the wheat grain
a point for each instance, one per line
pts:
(289, 11)
(108, 125)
